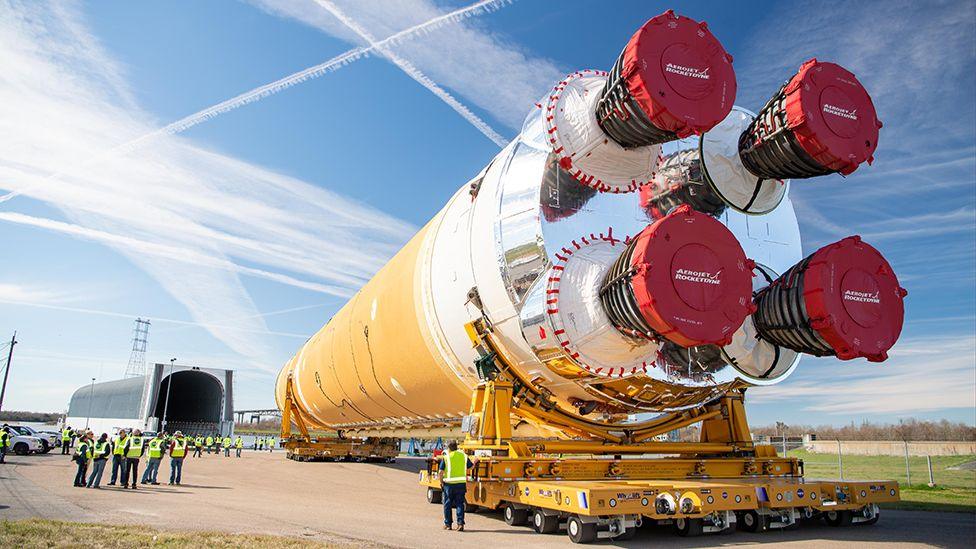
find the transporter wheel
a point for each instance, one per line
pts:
(434, 496)
(872, 520)
(627, 534)
(687, 528)
(543, 523)
(838, 518)
(752, 521)
(21, 449)
(514, 516)
(579, 531)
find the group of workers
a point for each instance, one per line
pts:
(128, 447)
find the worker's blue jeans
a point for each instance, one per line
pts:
(453, 497)
(118, 465)
(175, 470)
(152, 470)
(98, 467)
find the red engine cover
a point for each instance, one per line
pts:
(832, 116)
(679, 74)
(853, 299)
(693, 283)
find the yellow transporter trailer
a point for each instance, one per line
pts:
(632, 252)
(605, 488)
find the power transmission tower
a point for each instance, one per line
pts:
(140, 340)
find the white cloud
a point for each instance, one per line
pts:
(921, 375)
(484, 67)
(31, 292)
(191, 218)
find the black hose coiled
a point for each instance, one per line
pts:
(781, 317)
(617, 296)
(769, 149)
(621, 117)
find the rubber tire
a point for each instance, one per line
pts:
(434, 497)
(627, 535)
(688, 528)
(45, 447)
(872, 521)
(514, 516)
(840, 518)
(21, 449)
(751, 521)
(584, 533)
(544, 524)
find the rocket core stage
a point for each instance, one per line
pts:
(619, 247)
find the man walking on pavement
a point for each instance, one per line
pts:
(454, 476)
(155, 452)
(132, 451)
(210, 442)
(177, 451)
(103, 449)
(118, 458)
(271, 444)
(226, 445)
(239, 445)
(81, 456)
(198, 446)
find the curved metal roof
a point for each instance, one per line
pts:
(111, 399)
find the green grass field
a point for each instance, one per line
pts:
(37, 534)
(955, 490)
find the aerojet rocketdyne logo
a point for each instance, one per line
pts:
(701, 277)
(837, 111)
(862, 297)
(690, 72)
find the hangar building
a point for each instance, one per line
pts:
(200, 401)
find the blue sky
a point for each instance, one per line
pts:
(242, 234)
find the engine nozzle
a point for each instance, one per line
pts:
(684, 278)
(820, 122)
(842, 300)
(672, 80)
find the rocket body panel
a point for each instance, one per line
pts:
(374, 361)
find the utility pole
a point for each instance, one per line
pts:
(6, 372)
(91, 398)
(169, 386)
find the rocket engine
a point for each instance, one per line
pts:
(633, 249)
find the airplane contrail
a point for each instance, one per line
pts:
(415, 73)
(271, 88)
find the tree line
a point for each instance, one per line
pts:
(905, 429)
(39, 417)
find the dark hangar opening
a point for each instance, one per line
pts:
(194, 402)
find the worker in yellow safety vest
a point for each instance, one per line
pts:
(102, 449)
(271, 443)
(226, 444)
(4, 441)
(210, 443)
(83, 453)
(454, 476)
(177, 451)
(198, 446)
(66, 441)
(134, 446)
(239, 445)
(118, 458)
(155, 452)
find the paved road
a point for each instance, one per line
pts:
(371, 504)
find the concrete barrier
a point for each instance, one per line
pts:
(892, 448)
